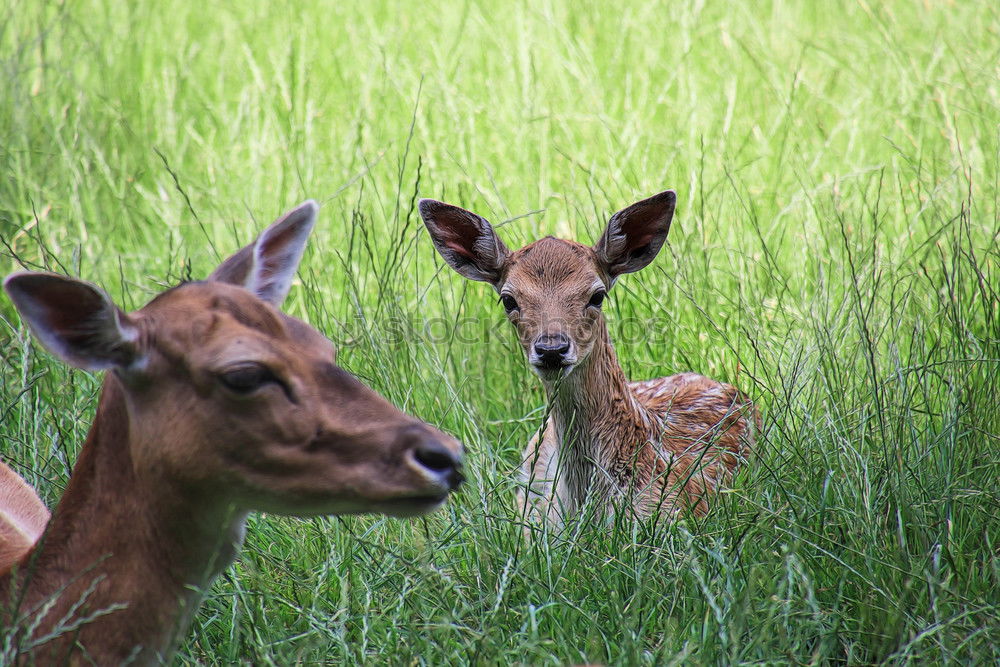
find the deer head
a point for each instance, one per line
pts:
(552, 290)
(231, 400)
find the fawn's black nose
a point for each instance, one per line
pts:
(551, 350)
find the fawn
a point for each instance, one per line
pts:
(659, 445)
(215, 404)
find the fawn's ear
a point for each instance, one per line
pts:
(266, 266)
(465, 240)
(74, 320)
(635, 234)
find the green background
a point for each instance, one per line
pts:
(834, 254)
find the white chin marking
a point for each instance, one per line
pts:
(553, 374)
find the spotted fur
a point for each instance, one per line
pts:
(658, 446)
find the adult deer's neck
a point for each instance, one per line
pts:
(123, 551)
(600, 425)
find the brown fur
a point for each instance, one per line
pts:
(666, 444)
(22, 517)
(657, 446)
(155, 508)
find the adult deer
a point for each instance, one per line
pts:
(660, 445)
(215, 404)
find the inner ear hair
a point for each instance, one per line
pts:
(266, 266)
(635, 234)
(465, 241)
(75, 320)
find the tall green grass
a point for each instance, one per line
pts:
(835, 254)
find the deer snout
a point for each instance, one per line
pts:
(435, 456)
(551, 351)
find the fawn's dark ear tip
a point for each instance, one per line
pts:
(428, 206)
(667, 195)
(665, 201)
(11, 281)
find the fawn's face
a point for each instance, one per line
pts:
(552, 290)
(233, 401)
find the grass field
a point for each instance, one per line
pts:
(836, 254)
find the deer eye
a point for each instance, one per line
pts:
(597, 298)
(247, 378)
(509, 303)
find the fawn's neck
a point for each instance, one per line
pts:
(135, 551)
(600, 425)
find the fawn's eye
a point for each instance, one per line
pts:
(597, 298)
(509, 303)
(247, 378)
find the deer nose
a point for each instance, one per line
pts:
(434, 459)
(551, 350)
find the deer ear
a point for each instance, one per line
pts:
(74, 320)
(635, 234)
(266, 266)
(466, 241)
